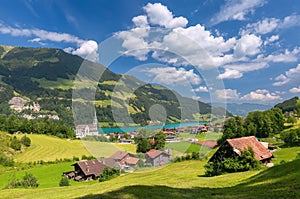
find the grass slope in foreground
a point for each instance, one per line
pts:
(181, 180)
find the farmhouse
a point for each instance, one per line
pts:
(86, 170)
(237, 145)
(124, 159)
(157, 157)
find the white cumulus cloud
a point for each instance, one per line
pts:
(159, 14)
(172, 75)
(248, 44)
(230, 94)
(295, 90)
(86, 49)
(200, 89)
(290, 76)
(261, 95)
(230, 74)
(140, 21)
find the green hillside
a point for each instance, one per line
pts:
(46, 76)
(292, 104)
(179, 180)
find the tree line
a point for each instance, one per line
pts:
(47, 126)
(260, 124)
(147, 140)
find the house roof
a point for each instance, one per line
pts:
(153, 153)
(110, 162)
(91, 167)
(241, 144)
(132, 160)
(119, 155)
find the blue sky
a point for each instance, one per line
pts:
(249, 48)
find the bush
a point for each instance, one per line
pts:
(6, 161)
(29, 181)
(25, 141)
(291, 137)
(84, 157)
(13, 183)
(75, 158)
(244, 162)
(64, 182)
(108, 174)
(15, 144)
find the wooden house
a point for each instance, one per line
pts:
(87, 170)
(237, 145)
(157, 157)
(124, 159)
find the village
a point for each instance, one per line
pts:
(126, 162)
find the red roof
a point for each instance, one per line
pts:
(119, 155)
(208, 143)
(132, 160)
(241, 144)
(153, 153)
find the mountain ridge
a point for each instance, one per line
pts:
(47, 75)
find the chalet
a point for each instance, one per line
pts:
(120, 157)
(237, 145)
(124, 159)
(157, 158)
(170, 136)
(83, 130)
(132, 161)
(86, 170)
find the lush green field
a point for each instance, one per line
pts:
(177, 180)
(48, 148)
(286, 154)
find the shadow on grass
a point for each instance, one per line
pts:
(282, 181)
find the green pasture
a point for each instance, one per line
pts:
(177, 180)
(50, 148)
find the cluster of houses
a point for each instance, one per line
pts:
(121, 160)
(124, 161)
(19, 104)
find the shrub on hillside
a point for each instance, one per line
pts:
(108, 174)
(64, 182)
(28, 181)
(15, 143)
(26, 141)
(232, 164)
(6, 161)
(291, 137)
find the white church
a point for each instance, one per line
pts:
(83, 130)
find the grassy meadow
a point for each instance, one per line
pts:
(178, 180)
(50, 148)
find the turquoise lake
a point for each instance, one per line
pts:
(135, 128)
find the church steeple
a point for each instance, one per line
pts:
(95, 121)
